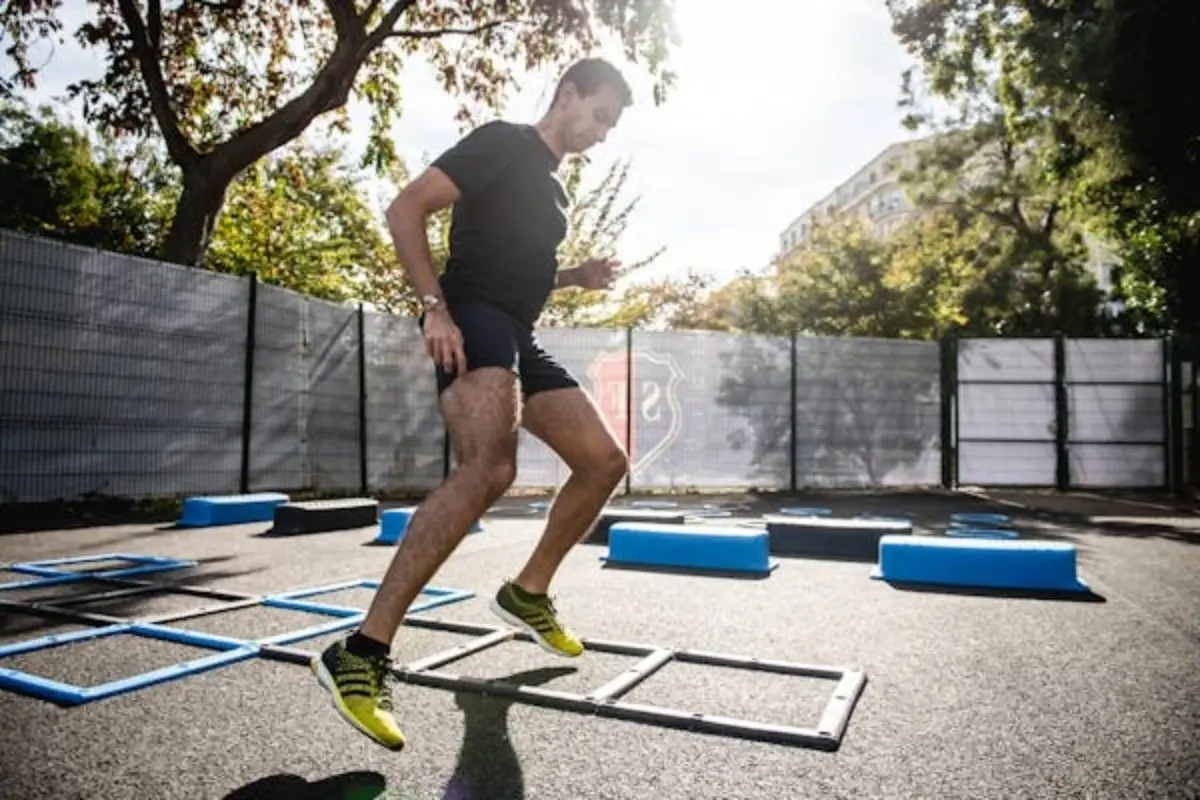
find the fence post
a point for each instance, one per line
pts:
(248, 380)
(948, 358)
(1062, 413)
(1174, 395)
(795, 394)
(362, 401)
(629, 407)
(1194, 449)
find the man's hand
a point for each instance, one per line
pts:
(444, 343)
(593, 274)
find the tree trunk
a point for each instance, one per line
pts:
(195, 216)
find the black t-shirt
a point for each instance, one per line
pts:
(506, 227)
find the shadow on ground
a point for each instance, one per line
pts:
(91, 513)
(1146, 515)
(1086, 596)
(111, 598)
(488, 767)
(346, 786)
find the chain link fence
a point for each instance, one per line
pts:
(132, 378)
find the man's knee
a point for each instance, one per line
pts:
(495, 473)
(608, 463)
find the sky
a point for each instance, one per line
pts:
(775, 105)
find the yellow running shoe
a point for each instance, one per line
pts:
(535, 614)
(361, 688)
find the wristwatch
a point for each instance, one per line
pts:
(431, 302)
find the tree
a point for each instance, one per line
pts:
(224, 84)
(1102, 77)
(299, 220)
(833, 286)
(1005, 241)
(688, 302)
(59, 185)
(598, 218)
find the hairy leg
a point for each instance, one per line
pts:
(569, 422)
(482, 411)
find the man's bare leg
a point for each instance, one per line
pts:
(482, 411)
(569, 422)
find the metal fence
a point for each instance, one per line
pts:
(1068, 413)
(127, 377)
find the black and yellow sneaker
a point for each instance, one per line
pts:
(535, 614)
(361, 688)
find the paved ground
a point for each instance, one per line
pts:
(968, 696)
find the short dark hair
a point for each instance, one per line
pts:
(589, 75)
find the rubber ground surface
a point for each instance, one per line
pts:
(968, 696)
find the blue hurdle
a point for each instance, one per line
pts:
(393, 523)
(233, 509)
(345, 616)
(144, 564)
(981, 533)
(229, 651)
(986, 563)
(702, 548)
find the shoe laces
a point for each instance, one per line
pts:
(546, 603)
(382, 680)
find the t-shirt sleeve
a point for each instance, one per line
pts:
(475, 161)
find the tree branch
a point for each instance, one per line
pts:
(345, 21)
(388, 23)
(369, 11)
(329, 90)
(179, 148)
(1050, 218)
(154, 26)
(437, 32)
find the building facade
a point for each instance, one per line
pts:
(873, 193)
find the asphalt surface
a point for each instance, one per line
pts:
(968, 696)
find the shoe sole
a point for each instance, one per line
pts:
(517, 622)
(326, 680)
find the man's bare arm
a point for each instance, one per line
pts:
(407, 218)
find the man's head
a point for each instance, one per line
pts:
(588, 102)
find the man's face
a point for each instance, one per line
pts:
(589, 119)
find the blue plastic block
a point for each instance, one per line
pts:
(804, 511)
(231, 509)
(981, 533)
(145, 564)
(229, 651)
(698, 547)
(393, 522)
(987, 563)
(345, 616)
(980, 518)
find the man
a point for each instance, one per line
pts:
(508, 220)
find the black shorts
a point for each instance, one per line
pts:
(493, 338)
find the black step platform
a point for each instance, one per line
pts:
(316, 516)
(831, 537)
(611, 516)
